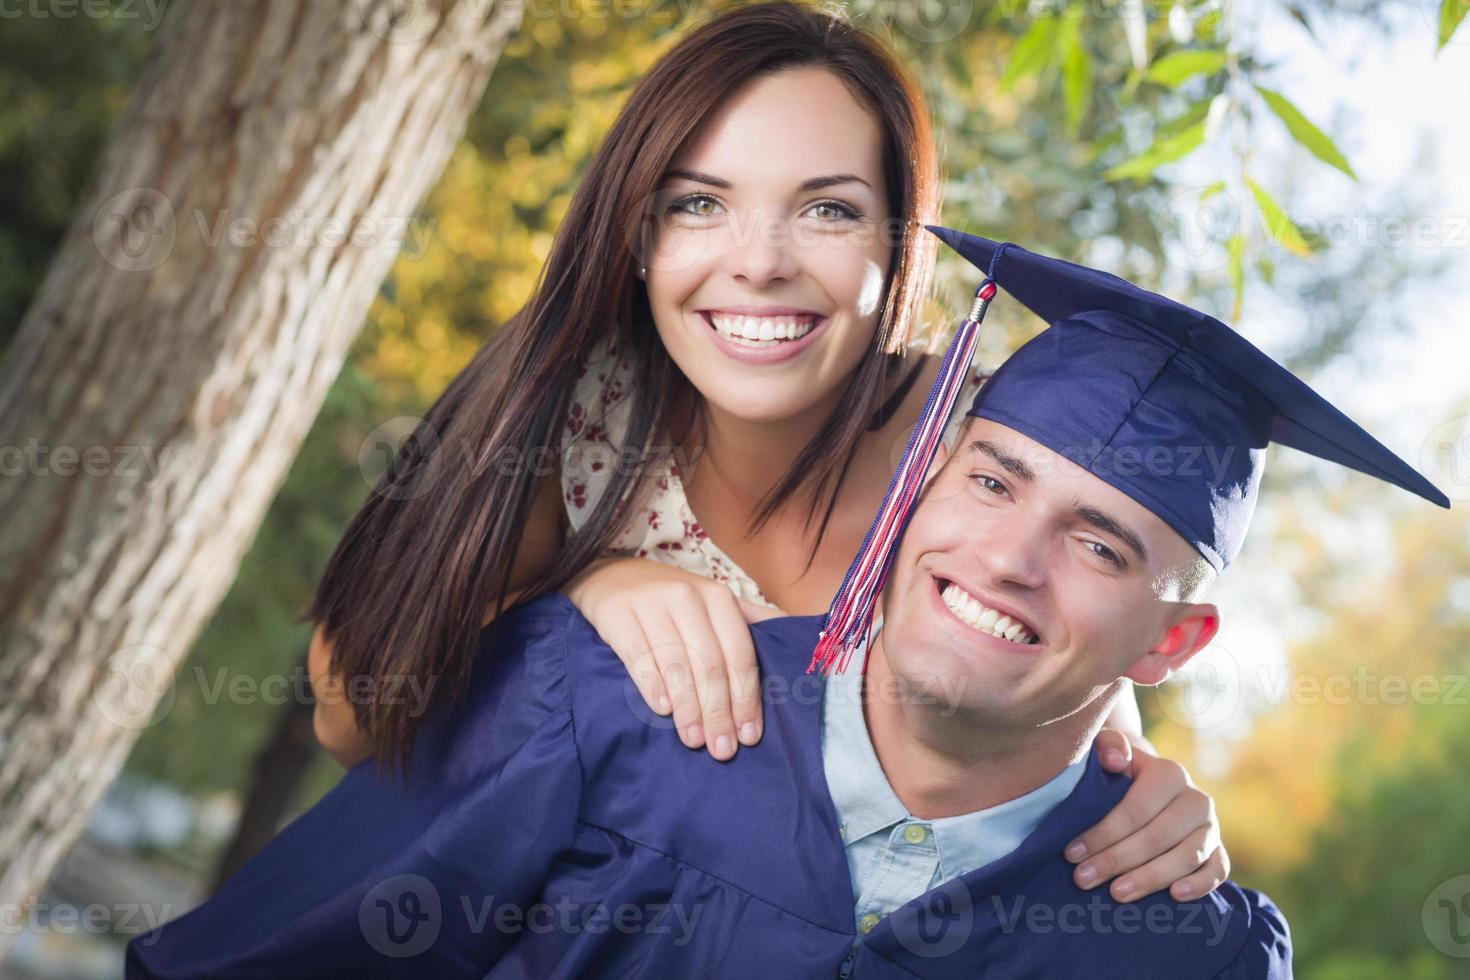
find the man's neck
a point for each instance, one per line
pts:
(943, 763)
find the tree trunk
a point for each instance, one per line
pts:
(250, 202)
(280, 767)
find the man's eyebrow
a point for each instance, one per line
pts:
(1010, 464)
(1113, 526)
(814, 184)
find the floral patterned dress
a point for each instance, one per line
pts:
(660, 526)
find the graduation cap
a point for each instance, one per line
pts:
(1161, 401)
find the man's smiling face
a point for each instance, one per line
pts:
(1088, 585)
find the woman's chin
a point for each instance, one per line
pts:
(763, 401)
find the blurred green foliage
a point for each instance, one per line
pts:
(1348, 803)
(62, 84)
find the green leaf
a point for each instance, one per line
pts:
(1451, 12)
(1197, 111)
(1304, 132)
(1211, 191)
(1076, 82)
(1104, 143)
(1165, 150)
(1176, 66)
(1033, 52)
(1278, 225)
(1236, 248)
(1266, 268)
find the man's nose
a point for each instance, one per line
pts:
(1015, 554)
(762, 251)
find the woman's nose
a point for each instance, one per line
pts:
(762, 252)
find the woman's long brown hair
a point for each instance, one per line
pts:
(405, 592)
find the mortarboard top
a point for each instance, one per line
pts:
(1123, 376)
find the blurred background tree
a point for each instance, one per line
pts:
(1058, 125)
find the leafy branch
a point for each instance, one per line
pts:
(1196, 54)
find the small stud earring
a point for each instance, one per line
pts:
(643, 271)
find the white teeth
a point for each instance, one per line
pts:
(966, 607)
(762, 331)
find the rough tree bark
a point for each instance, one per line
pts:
(250, 202)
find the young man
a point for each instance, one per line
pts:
(904, 821)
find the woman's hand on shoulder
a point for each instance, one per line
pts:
(1163, 834)
(686, 642)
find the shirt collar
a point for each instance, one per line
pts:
(866, 803)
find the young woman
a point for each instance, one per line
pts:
(719, 331)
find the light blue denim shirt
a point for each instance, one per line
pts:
(893, 856)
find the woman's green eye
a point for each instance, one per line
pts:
(835, 211)
(694, 204)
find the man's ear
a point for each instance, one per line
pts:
(1194, 626)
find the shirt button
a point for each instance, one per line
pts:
(914, 834)
(867, 922)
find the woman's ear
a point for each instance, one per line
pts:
(1193, 628)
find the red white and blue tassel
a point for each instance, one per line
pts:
(850, 617)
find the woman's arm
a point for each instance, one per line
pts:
(334, 721)
(1164, 833)
(1125, 717)
(685, 640)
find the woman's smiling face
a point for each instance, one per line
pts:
(773, 223)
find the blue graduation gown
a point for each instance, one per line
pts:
(552, 826)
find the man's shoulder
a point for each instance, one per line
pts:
(1265, 948)
(1029, 917)
(1233, 933)
(539, 618)
(1048, 926)
(783, 647)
